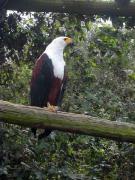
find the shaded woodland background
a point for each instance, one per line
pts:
(101, 69)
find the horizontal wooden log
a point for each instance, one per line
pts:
(73, 6)
(29, 116)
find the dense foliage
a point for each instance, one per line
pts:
(101, 72)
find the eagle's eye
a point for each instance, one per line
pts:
(65, 38)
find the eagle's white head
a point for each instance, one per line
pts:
(59, 43)
(55, 52)
(62, 42)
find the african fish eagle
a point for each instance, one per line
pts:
(49, 78)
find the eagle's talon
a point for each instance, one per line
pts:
(52, 108)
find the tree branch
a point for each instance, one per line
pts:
(29, 116)
(74, 6)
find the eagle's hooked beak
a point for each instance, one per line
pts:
(68, 40)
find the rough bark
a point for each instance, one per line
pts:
(73, 6)
(76, 123)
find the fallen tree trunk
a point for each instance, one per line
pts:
(29, 116)
(75, 6)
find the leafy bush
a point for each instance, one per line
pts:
(101, 82)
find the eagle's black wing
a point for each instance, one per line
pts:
(40, 85)
(41, 81)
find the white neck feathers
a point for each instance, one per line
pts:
(55, 53)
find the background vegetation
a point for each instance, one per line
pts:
(101, 69)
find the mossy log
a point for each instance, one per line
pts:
(29, 116)
(110, 8)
